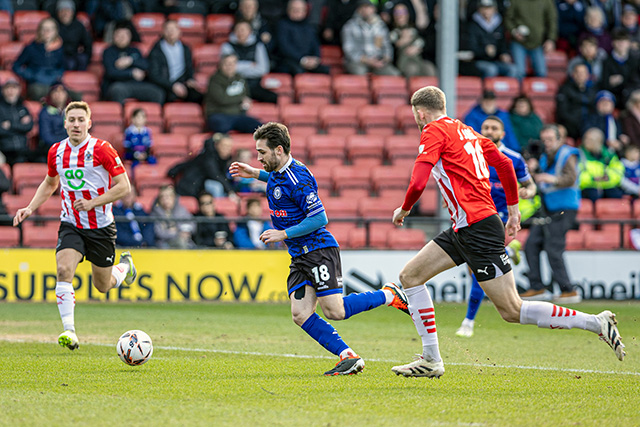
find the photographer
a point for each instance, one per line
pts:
(557, 182)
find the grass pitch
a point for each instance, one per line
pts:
(247, 365)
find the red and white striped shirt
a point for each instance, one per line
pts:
(85, 173)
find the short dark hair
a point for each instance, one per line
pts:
(553, 127)
(138, 111)
(496, 119)
(275, 134)
(252, 202)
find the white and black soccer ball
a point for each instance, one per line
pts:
(134, 347)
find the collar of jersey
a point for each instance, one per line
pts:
(76, 147)
(282, 169)
(442, 116)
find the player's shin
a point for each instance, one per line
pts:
(325, 334)
(66, 298)
(551, 316)
(357, 303)
(119, 272)
(423, 315)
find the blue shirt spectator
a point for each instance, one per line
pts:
(131, 232)
(487, 107)
(51, 119)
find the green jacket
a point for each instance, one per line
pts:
(594, 168)
(541, 16)
(526, 128)
(225, 95)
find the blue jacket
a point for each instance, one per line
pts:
(476, 116)
(126, 233)
(36, 65)
(296, 39)
(51, 122)
(241, 235)
(558, 199)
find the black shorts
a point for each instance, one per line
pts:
(98, 246)
(321, 269)
(480, 245)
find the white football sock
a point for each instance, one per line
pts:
(424, 319)
(347, 352)
(388, 296)
(551, 316)
(468, 322)
(66, 298)
(120, 271)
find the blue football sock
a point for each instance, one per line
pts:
(357, 303)
(326, 335)
(475, 298)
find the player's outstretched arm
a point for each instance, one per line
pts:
(243, 170)
(121, 187)
(44, 191)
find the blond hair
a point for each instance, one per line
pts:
(80, 105)
(429, 97)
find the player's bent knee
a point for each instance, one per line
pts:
(334, 313)
(408, 280)
(510, 315)
(64, 273)
(299, 317)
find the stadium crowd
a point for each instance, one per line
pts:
(178, 87)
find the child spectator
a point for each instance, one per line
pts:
(137, 139)
(591, 56)
(631, 162)
(247, 234)
(51, 119)
(526, 123)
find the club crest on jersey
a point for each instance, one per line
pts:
(277, 192)
(311, 198)
(88, 157)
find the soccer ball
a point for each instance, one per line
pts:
(134, 347)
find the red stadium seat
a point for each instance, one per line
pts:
(206, 58)
(320, 147)
(613, 209)
(469, 87)
(9, 52)
(40, 237)
(143, 47)
(171, 145)
(463, 106)
(401, 147)
(389, 90)
(331, 56)
(9, 237)
(346, 177)
(574, 240)
(540, 88)
(227, 207)
(323, 178)
(598, 240)
(104, 131)
(406, 121)
(150, 176)
(406, 239)
(196, 143)
(386, 177)
(149, 26)
(6, 30)
(557, 65)
(365, 150)
(106, 113)
(351, 89)
(418, 82)
(339, 119)
(340, 230)
(183, 117)
(586, 211)
(504, 87)
(97, 51)
(192, 27)
(374, 207)
(300, 118)
(25, 23)
(312, 88)
(13, 202)
(85, 20)
(340, 207)
(84, 82)
(219, 26)
(264, 111)
(430, 202)
(376, 237)
(280, 83)
(377, 119)
(28, 175)
(51, 207)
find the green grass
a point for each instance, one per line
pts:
(201, 374)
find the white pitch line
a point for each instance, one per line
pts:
(308, 356)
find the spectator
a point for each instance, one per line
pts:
(41, 62)
(408, 45)
(488, 107)
(107, 15)
(601, 172)
(76, 40)
(131, 231)
(247, 185)
(208, 170)
(472, 7)
(612, 11)
(227, 99)
(338, 13)
(247, 234)
(253, 60)
(631, 161)
(125, 69)
(366, 44)
(214, 234)
(167, 7)
(533, 25)
(620, 70)
(629, 22)
(630, 118)
(171, 66)
(15, 123)
(570, 23)
(526, 123)
(557, 181)
(420, 11)
(590, 55)
(604, 119)
(5, 186)
(297, 44)
(7, 5)
(51, 119)
(138, 143)
(175, 231)
(486, 39)
(596, 27)
(575, 100)
(248, 11)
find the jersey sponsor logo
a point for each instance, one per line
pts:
(74, 175)
(505, 259)
(311, 198)
(118, 162)
(420, 148)
(277, 192)
(280, 213)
